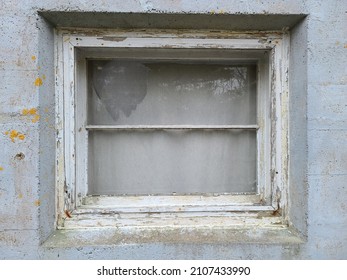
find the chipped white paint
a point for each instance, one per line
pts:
(60, 167)
(267, 198)
(184, 43)
(279, 111)
(177, 220)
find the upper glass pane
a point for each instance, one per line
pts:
(183, 92)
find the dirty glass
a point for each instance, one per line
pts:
(139, 92)
(172, 161)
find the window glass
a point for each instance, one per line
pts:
(172, 161)
(195, 161)
(140, 93)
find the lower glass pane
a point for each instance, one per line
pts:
(172, 161)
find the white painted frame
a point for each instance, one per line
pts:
(72, 136)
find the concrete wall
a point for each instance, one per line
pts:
(318, 126)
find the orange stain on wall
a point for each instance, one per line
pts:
(31, 112)
(14, 134)
(35, 119)
(38, 82)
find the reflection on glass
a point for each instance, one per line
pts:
(135, 92)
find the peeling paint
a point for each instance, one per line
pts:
(114, 39)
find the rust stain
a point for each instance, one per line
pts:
(345, 46)
(67, 213)
(33, 58)
(14, 134)
(20, 195)
(1, 168)
(37, 203)
(38, 82)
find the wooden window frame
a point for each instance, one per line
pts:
(77, 210)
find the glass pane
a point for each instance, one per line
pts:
(139, 92)
(172, 161)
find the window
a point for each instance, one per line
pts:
(171, 127)
(177, 125)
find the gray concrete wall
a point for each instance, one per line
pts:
(318, 124)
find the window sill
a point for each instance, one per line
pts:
(229, 232)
